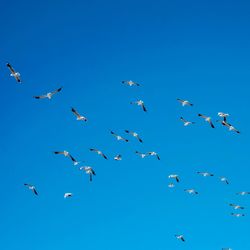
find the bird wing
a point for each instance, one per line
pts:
(75, 112)
(11, 68)
(56, 91)
(40, 96)
(144, 108)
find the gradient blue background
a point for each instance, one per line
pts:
(196, 50)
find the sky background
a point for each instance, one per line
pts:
(195, 50)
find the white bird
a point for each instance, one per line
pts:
(227, 248)
(235, 206)
(224, 179)
(205, 174)
(184, 102)
(180, 237)
(140, 103)
(49, 95)
(14, 73)
(98, 152)
(174, 176)
(229, 126)
(207, 119)
(88, 170)
(67, 195)
(224, 115)
(31, 187)
(78, 116)
(142, 155)
(237, 215)
(243, 193)
(131, 83)
(118, 137)
(118, 158)
(67, 154)
(171, 185)
(154, 154)
(134, 134)
(191, 191)
(186, 123)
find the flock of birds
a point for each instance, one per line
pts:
(90, 171)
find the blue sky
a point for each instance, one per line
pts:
(196, 50)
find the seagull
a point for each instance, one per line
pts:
(191, 191)
(186, 123)
(227, 248)
(118, 137)
(134, 134)
(237, 215)
(14, 73)
(68, 195)
(131, 83)
(205, 174)
(243, 193)
(32, 188)
(78, 116)
(154, 154)
(180, 237)
(118, 158)
(88, 170)
(207, 119)
(140, 103)
(224, 179)
(184, 102)
(98, 152)
(174, 176)
(49, 95)
(171, 185)
(236, 206)
(67, 154)
(224, 115)
(229, 126)
(142, 155)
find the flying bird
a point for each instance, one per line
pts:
(88, 170)
(67, 154)
(118, 158)
(134, 134)
(142, 155)
(237, 215)
(235, 206)
(185, 122)
(67, 195)
(49, 95)
(207, 119)
(171, 185)
(14, 73)
(98, 152)
(191, 191)
(118, 137)
(229, 126)
(224, 179)
(184, 102)
(78, 116)
(223, 115)
(180, 237)
(205, 174)
(140, 103)
(130, 83)
(174, 176)
(154, 154)
(243, 193)
(32, 188)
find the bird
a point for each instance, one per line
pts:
(191, 191)
(31, 187)
(49, 95)
(88, 170)
(78, 116)
(98, 152)
(227, 248)
(140, 103)
(186, 123)
(229, 126)
(131, 83)
(14, 73)
(243, 193)
(118, 158)
(134, 134)
(67, 195)
(118, 137)
(174, 176)
(207, 119)
(236, 206)
(184, 102)
(205, 174)
(237, 215)
(224, 179)
(67, 154)
(171, 185)
(224, 115)
(154, 154)
(142, 155)
(180, 237)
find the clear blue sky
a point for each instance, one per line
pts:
(196, 50)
